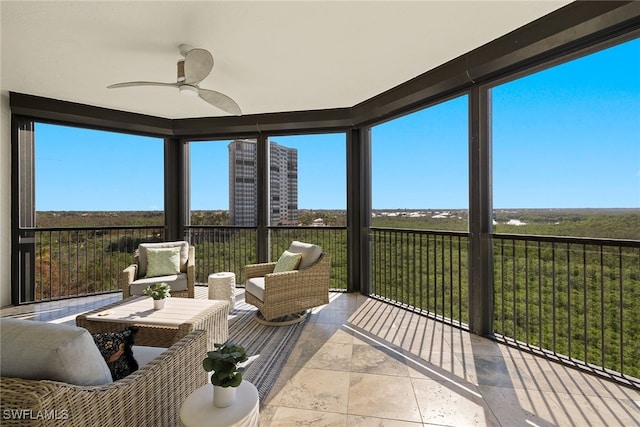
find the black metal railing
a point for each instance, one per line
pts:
(222, 248)
(574, 298)
(80, 261)
(229, 248)
(422, 270)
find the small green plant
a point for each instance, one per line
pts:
(223, 361)
(159, 291)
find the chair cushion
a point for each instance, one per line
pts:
(145, 354)
(288, 261)
(142, 254)
(255, 286)
(177, 282)
(310, 253)
(115, 347)
(163, 261)
(49, 351)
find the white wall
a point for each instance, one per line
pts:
(5, 201)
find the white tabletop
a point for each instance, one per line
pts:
(140, 310)
(198, 409)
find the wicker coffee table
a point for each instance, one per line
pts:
(161, 328)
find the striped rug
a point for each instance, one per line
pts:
(268, 347)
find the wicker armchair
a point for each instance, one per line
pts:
(289, 292)
(182, 285)
(151, 396)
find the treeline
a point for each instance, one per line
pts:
(596, 223)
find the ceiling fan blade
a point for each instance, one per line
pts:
(131, 84)
(220, 101)
(198, 63)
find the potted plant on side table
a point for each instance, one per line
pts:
(227, 375)
(159, 293)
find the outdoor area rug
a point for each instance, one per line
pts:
(268, 347)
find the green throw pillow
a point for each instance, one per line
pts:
(163, 261)
(288, 261)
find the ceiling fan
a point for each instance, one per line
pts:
(195, 67)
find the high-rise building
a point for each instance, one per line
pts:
(283, 184)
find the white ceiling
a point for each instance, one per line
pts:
(270, 56)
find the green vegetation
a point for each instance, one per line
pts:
(597, 223)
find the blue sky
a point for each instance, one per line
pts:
(566, 137)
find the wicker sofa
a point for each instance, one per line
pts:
(150, 396)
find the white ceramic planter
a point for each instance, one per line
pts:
(158, 304)
(223, 396)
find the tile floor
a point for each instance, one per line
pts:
(361, 362)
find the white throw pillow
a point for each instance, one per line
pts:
(48, 351)
(310, 253)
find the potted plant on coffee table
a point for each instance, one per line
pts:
(227, 375)
(159, 293)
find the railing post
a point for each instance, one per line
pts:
(359, 210)
(23, 244)
(481, 301)
(176, 188)
(262, 199)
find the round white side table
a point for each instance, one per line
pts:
(198, 409)
(223, 286)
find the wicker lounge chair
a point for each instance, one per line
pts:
(182, 284)
(288, 293)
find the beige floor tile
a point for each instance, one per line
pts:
(451, 404)
(320, 332)
(495, 371)
(522, 407)
(337, 317)
(342, 336)
(605, 411)
(345, 301)
(361, 421)
(382, 396)
(442, 367)
(420, 338)
(290, 417)
(316, 389)
(330, 355)
(378, 360)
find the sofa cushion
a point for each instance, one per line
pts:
(48, 351)
(163, 261)
(116, 349)
(177, 282)
(142, 254)
(255, 286)
(310, 253)
(145, 354)
(288, 261)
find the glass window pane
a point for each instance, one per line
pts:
(89, 170)
(566, 148)
(420, 175)
(308, 180)
(209, 183)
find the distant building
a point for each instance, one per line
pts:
(243, 191)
